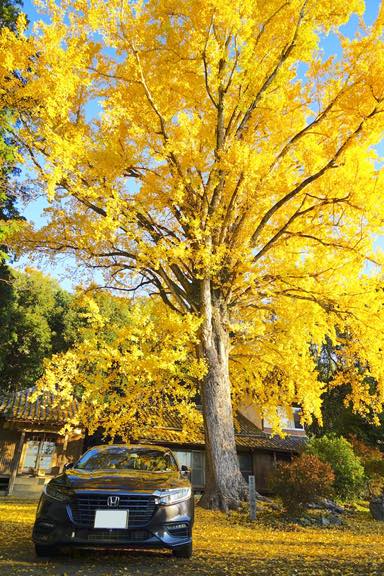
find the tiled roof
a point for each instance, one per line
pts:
(247, 436)
(19, 407)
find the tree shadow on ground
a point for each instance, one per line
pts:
(221, 549)
(19, 559)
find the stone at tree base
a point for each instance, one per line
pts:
(303, 521)
(330, 521)
(325, 504)
(376, 507)
(335, 520)
(325, 521)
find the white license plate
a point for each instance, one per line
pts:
(111, 519)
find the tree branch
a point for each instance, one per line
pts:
(268, 81)
(307, 181)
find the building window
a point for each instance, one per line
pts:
(198, 469)
(245, 463)
(296, 419)
(195, 460)
(183, 458)
(39, 454)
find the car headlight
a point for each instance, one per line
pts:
(57, 492)
(172, 496)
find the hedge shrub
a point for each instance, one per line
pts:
(302, 481)
(346, 465)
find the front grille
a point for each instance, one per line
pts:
(141, 508)
(123, 536)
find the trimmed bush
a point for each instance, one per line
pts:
(346, 465)
(302, 481)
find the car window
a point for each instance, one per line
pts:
(116, 458)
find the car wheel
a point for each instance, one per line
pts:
(43, 551)
(183, 551)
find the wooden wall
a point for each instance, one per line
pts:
(8, 440)
(66, 451)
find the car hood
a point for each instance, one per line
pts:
(120, 480)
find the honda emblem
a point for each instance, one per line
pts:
(113, 501)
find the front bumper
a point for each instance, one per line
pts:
(169, 527)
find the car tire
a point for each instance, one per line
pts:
(43, 551)
(183, 551)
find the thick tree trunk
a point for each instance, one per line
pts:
(225, 486)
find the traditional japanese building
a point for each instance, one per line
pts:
(257, 448)
(33, 446)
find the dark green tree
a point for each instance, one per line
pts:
(9, 11)
(116, 309)
(38, 318)
(33, 311)
(337, 414)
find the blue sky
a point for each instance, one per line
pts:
(64, 270)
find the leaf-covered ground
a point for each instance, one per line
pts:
(224, 545)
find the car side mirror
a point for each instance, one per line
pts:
(185, 471)
(68, 465)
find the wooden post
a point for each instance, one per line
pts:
(252, 497)
(38, 455)
(15, 463)
(63, 457)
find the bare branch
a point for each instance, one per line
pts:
(205, 63)
(268, 81)
(338, 245)
(307, 181)
(294, 216)
(230, 208)
(175, 290)
(148, 92)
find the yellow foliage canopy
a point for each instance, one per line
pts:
(178, 145)
(131, 375)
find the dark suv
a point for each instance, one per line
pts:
(119, 495)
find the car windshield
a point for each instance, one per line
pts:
(122, 458)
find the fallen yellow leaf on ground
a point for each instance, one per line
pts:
(224, 545)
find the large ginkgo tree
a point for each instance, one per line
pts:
(209, 152)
